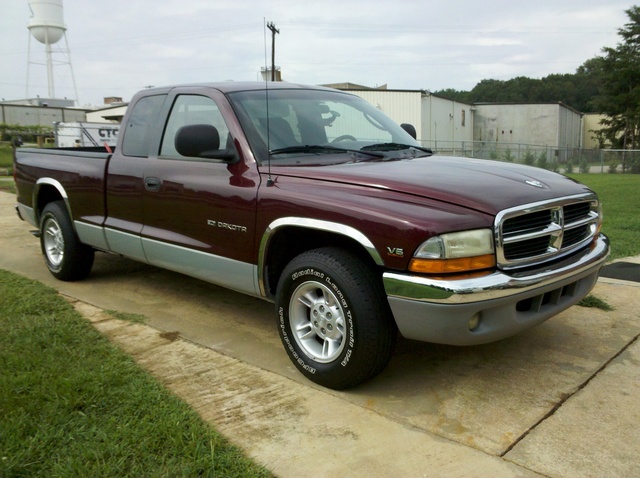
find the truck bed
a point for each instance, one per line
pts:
(81, 170)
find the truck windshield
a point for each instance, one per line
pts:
(315, 126)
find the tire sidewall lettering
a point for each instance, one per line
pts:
(309, 271)
(327, 294)
(312, 274)
(289, 345)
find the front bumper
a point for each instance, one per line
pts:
(440, 311)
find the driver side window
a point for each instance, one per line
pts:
(189, 110)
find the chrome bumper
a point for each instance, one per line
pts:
(436, 310)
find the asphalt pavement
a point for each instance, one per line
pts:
(560, 400)
(622, 270)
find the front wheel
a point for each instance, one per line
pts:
(334, 319)
(65, 256)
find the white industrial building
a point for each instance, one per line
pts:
(553, 125)
(591, 124)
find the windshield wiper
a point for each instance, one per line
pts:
(318, 148)
(394, 147)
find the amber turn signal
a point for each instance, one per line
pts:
(452, 266)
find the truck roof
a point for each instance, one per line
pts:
(232, 86)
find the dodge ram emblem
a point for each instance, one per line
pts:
(533, 182)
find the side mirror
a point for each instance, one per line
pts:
(201, 141)
(409, 128)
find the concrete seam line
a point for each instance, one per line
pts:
(567, 396)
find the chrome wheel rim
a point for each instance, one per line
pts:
(317, 322)
(53, 241)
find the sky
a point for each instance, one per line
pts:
(118, 47)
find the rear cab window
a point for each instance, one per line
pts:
(140, 127)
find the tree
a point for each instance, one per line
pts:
(619, 98)
(454, 95)
(574, 90)
(588, 81)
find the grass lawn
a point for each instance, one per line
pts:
(6, 157)
(73, 404)
(620, 196)
(7, 185)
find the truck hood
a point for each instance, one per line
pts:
(482, 185)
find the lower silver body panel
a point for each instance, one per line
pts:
(232, 274)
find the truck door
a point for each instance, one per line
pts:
(124, 178)
(199, 214)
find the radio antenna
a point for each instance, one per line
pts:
(266, 92)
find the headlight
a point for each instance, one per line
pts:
(457, 252)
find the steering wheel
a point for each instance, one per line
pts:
(344, 137)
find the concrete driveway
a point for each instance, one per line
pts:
(560, 400)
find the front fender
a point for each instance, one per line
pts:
(308, 223)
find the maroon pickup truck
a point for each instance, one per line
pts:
(313, 199)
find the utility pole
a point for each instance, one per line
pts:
(274, 30)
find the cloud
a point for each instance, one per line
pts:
(120, 46)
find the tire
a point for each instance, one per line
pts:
(65, 256)
(334, 319)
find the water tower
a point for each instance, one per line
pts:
(47, 27)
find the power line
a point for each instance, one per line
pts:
(274, 30)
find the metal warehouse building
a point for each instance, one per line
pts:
(552, 125)
(28, 115)
(440, 123)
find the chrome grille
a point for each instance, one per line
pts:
(541, 232)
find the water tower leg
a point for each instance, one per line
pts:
(73, 78)
(26, 94)
(52, 93)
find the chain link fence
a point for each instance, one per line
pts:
(567, 160)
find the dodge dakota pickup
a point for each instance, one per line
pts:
(314, 200)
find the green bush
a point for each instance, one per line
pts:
(508, 156)
(28, 133)
(585, 167)
(542, 160)
(568, 169)
(529, 158)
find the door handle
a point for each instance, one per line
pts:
(152, 184)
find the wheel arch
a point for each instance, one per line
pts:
(48, 190)
(288, 237)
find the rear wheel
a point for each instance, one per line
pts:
(334, 319)
(65, 256)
